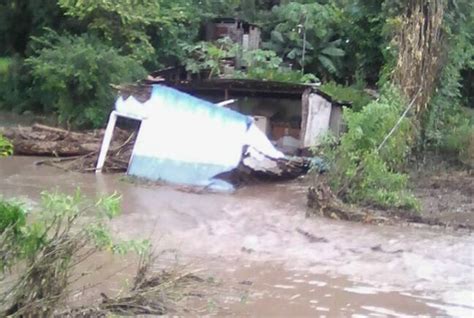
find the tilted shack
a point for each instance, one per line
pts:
(187, 140)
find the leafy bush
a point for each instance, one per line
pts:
(358, 97)
(455, 136)
(16, 87)
(260, 63)
(73, 74)
(11, 215)
(6, 147)
(121, 23)
(460, 141)
(360, 172)
(12, 221)
(4, 64)
(205, 56)
(266, 65)
(64, 232)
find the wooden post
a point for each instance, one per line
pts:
(304, 113)
(106, 141)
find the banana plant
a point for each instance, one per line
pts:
(304, 36)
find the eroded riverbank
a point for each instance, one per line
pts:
(252, 241)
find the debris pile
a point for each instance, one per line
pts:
(322, 201)
(151, 293)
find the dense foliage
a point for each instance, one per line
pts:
(362, 170)
(342, 41)
(450, 122)
(267, 65)
(304, 35)
(72, 75)
(207, 56)
(97, 43)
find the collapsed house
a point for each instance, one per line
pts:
(295, 117)
(187, 140)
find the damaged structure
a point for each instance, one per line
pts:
(187, 140)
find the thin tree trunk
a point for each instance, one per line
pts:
(421, 47)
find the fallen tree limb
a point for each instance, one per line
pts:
(322, 201)
(41, 140)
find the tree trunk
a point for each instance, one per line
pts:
(421, 48)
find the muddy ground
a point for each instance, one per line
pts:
(446, 194)
(269, 258)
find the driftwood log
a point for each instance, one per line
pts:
(322, 201)
(71, 150)
(41, 140)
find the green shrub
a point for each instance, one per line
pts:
(208, 56)
(6, 147)
(4, 64)
(73, 74)
(16, 87)
(266, 65)
(64, 232)
(12, 221)
(11, 215)
(356, 96)
(260, 64)
(360, 172)
(456, 137)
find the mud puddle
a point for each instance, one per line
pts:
(259, 243)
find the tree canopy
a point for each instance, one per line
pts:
(347, 42)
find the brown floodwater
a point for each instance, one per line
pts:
(253, 242)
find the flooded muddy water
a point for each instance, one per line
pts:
(258, 242)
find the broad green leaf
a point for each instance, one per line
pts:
(333, 51)
(277, 36)
(327, 64)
